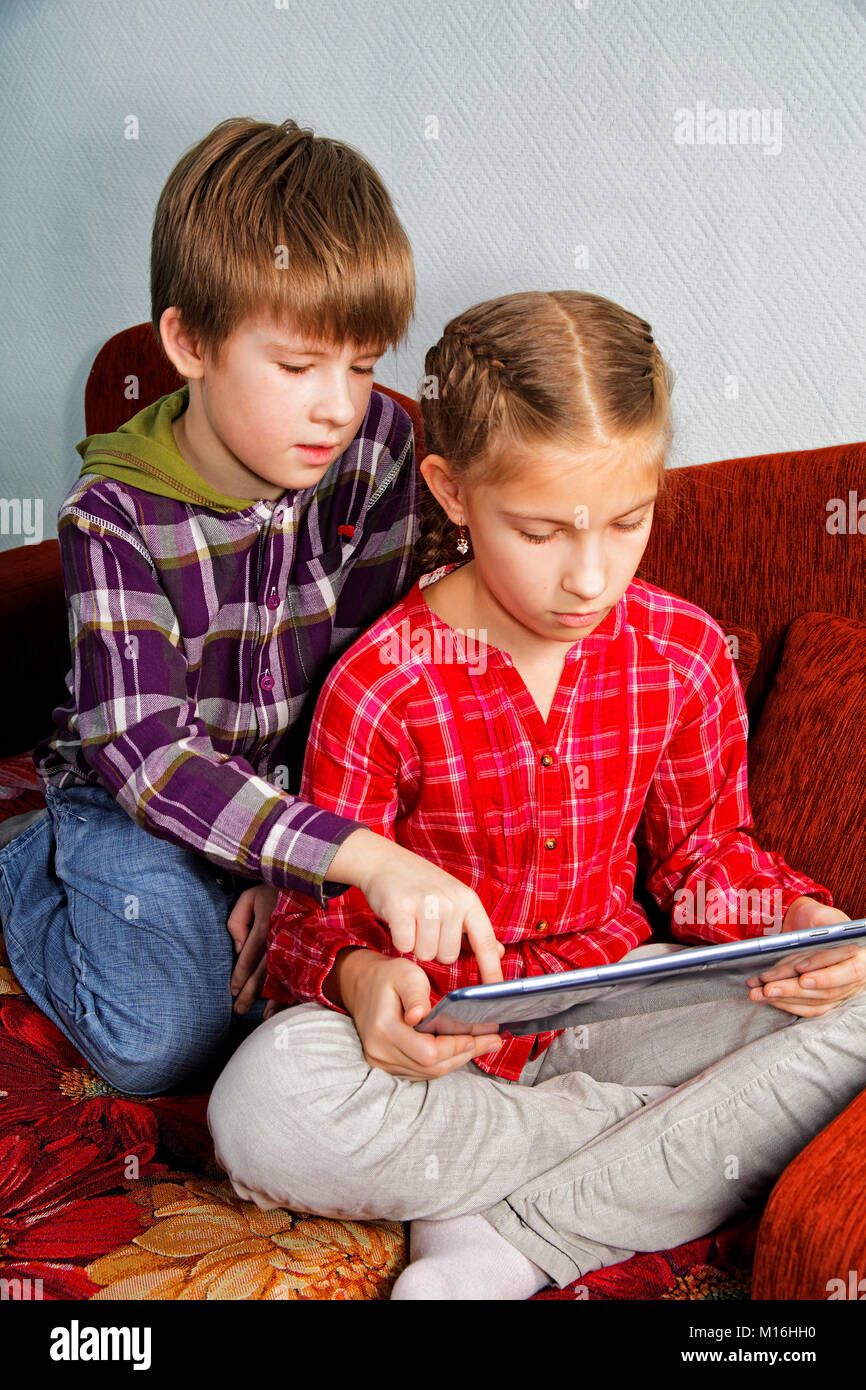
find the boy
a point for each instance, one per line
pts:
(219, 552)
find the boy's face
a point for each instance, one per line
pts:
(269, 393)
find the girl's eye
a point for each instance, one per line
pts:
(539, 539)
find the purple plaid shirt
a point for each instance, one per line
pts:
(200, 639)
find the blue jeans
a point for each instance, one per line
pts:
(121, 939)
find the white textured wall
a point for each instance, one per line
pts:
(557, 130)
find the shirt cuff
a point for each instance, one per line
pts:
(323, 970)
(800, 886)
(328, 831)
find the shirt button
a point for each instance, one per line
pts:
(542, 925)
(267, 681)
(273, 599)
(546, 760)
(550, 843)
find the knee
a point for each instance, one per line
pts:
(164, 1053)
(263, 1084)
(272, 1136)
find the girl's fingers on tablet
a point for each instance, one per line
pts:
(821, 975)
(416, 1071)
(821, 959)
(806, 964)
(831, 969)
(787, 991)
(476, 1047)
(431, 1055)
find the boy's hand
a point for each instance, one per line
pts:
(248, 927)
(817, 980)
(427, 911)
(386, 998)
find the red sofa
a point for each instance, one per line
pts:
(105, 1196)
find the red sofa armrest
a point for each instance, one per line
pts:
(813, 1229)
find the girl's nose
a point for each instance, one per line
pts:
(585, 576)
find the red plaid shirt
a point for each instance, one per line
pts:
(432, 739)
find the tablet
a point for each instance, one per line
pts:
(545, 1003)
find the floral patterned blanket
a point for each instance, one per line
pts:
(106, 1196)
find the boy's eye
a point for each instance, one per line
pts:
(296, 371)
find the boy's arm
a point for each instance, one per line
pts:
(140, 730)
(708, 871)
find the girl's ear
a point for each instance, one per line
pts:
(437, 474)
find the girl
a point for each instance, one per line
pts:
(511, 719)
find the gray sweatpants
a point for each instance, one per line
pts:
(571, 1164)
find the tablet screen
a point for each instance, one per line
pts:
(665, 980)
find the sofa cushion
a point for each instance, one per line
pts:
(806, 785)
(745, 649)
(19, 786)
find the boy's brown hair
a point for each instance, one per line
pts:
(259, 217)
(559, 367)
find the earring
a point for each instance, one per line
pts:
(462, 542)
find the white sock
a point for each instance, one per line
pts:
(464, 1258)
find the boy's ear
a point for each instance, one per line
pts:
(181, 347)
(436, 473)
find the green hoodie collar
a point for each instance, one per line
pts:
(143, 454)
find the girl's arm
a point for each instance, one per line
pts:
(361, 760)
(707, 869)
(353, 759)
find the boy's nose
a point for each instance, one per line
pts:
(334, 405)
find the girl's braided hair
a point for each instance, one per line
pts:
(558, 368)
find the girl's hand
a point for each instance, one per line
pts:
(426, 910)
(248, 927)
(814, 982)
(386, 998)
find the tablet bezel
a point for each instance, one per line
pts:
(535, 1003)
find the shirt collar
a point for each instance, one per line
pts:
(467, 646)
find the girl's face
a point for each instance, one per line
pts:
(556, 548)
